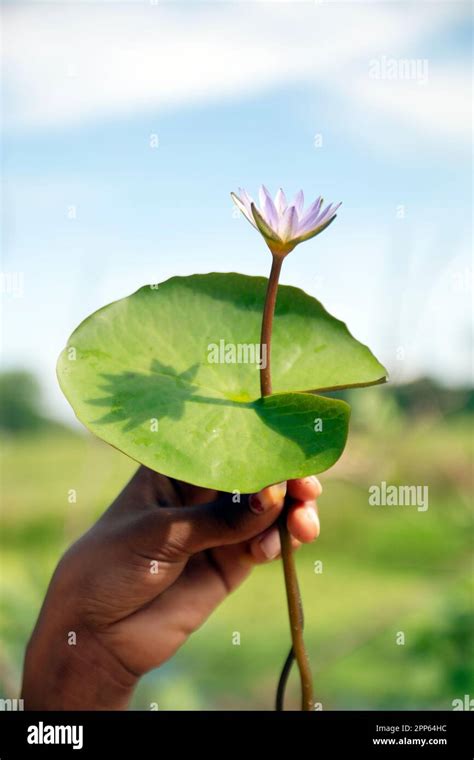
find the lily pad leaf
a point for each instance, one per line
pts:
(170, 376)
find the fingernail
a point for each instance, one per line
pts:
(313, 518)
(256, 505)
(270, 544)
(267, 498)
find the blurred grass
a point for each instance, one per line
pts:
(385, 570)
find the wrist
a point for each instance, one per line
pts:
(68, 667)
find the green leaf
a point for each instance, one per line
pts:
(139, 374)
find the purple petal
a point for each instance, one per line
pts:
(317, 221)
(328, 212)
(267, 208)
(267, 232)
(280, 202)
(246, 199)
(311, 212)
(304, 228)
(312, 233)
(242, 207)
(298, 203)
(288, 223)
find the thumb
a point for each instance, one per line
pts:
(184, 531)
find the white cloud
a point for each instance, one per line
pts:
(75, 63)
(439, 107)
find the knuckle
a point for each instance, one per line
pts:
(158, 535)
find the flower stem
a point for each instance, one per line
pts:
(267, 325)
(295, 609)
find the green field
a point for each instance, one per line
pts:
(385, 571)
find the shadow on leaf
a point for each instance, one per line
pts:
(135, 398)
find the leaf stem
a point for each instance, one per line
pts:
(295, 612)
(295, 608)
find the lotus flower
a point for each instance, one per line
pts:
(282, 224)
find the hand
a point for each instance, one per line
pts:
(130, 591)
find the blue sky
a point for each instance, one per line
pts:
(239, 93)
